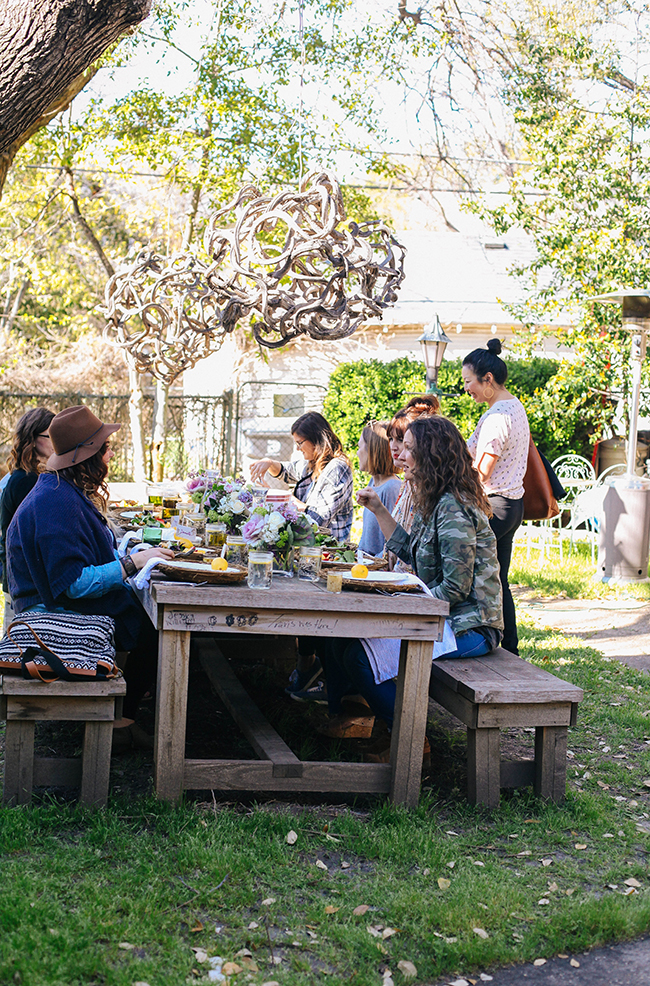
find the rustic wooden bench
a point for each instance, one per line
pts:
(497, 692)
(23, 703)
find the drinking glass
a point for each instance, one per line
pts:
(309, 564)
(259, 497)
(215, 535)
(236, 550)
(260, 569)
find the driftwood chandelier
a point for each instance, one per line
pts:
(283, 263)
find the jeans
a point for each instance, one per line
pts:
(347, 670)
(470, 644)
(507, 515)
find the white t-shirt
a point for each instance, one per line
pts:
(503, 431)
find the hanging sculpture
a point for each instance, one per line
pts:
(282, 262)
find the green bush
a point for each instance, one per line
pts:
(563, 415)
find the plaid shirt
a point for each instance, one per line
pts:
(329, 498)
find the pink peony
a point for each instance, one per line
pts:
(252, 529)
(194, 484)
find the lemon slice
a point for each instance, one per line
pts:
(219, 564)
(359, 572)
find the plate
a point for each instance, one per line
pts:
(383, 582)
(180, 570)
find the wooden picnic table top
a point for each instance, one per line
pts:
(293, 606)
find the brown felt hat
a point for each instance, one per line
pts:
(76, 435)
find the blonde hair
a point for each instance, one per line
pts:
(380, 460)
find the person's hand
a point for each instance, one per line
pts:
(140, 558)
(259, 469)
(368, 498)
(297, 504)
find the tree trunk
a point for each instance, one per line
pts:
(47, 51)
(159, 429)
(135, 419)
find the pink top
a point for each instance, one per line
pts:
(503, 431)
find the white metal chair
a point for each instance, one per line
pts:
(577, 476)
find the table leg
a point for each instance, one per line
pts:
(171, 713)
(409, 726)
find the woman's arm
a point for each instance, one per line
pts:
(260, 468)
(485, 467)
(98, 580)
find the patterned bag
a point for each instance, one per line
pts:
(60, 645)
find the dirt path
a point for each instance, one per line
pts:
(620, 628)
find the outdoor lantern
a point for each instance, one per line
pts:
(624, 530)
(434, 342)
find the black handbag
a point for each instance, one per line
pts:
(556, 486)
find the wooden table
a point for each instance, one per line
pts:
(293, 608)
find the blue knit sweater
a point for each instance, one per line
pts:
(56, 533)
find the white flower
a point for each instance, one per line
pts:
(237, 506)
(276, 520)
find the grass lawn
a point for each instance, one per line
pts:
(143, 892)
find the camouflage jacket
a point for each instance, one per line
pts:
(455, 553)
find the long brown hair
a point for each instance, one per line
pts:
(422, 405)
(90, 477)
(23, 453)
(443, 465)
(380, 460)
(317, 430)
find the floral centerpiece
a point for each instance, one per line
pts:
(223, 499)
(279, 529)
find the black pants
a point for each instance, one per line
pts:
(141, 666)
(507, 515)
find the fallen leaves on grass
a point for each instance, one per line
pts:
(444, 883)
(197, 927)
(539, 962)
(450, 940)
(481, 932)
(200, 955)
(580, 845)
(547, 862)
(631, 882)
(126, 946)
(331, 910)
(231, 968)
(268, 901)
(360, 910)
(292, 838)
(407, 969)
(321, 865)
(574, 963)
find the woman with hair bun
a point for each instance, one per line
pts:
(499, 447)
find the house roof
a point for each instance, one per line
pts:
(460, 277)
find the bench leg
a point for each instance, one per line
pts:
(483, 767)
(96, 763)
(550, 762)
(410, 723)
(19, 762)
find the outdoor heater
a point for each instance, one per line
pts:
(624, 534)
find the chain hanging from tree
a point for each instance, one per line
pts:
(282, 262)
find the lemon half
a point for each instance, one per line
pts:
(219, 564)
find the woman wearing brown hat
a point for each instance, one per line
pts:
(61, 553)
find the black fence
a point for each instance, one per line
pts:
(199, 429)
